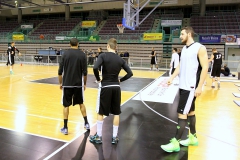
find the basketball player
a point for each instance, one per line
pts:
(216, 57)
(153, 59)
(192, 72)
(109, 100)
(72, 75)
(11, 53)
(174, 61)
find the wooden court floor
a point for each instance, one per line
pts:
(35, 108)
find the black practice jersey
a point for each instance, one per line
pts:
(217, 60)
(14, 49)
(111, 66)
(73, 67)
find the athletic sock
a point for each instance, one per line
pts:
(180, 128)
(115, 131)
(85, 120)
(218, 81)
(65, 123)
(213, 84)
(192, 124)
(99, 128)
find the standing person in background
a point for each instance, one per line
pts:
(216, 57)
(109, 98)
(11, 54)
(174, 61)
(153, 59)
(72, 75)
(126, 57)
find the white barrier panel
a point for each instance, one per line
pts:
(159, 91)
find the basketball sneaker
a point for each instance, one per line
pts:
(87, 126)
(64, 131)
(11, 72)
(191, 141)
(95, 139)
(115, 140)
(213, 86)
(173, 146)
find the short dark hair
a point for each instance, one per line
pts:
(175, 49)
(74, 42)
(112, 43)
(188, 29)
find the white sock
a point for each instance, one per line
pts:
(10, 69)
(213, 84)
(99, 128)
(115, 131)
(218, 81)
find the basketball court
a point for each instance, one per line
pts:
(30, 102)
(31, 115)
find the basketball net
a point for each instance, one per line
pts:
(120, 27)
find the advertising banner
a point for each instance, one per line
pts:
(88, 24)
(171, 22)
(210, 38)
(228, 38)
(80, 38)
(159, 91)
(27, 26)
(18, 37)
(152, 36)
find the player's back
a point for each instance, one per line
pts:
(74, 66)
(217, 58)
(112, 65)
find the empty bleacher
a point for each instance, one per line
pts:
(52, 27)
(217, 23)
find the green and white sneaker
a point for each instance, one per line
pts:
(173, 146)
(191, 141)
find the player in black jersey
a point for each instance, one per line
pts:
(216, 57)
(11, 53)
(109, 98)
(153, 59)
(72, 75)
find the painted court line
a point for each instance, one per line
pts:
(33, 115)
(56, 139)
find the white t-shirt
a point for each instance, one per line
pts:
(175, 59)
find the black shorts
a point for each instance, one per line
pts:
(72, 96)
(11, 60)
(153, 60)
(109, 100)
(216, 70)
(186, 101)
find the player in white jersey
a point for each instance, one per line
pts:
(174, 60)
(192, 72)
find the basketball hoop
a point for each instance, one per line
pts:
(120, 27)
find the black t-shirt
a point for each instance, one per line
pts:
(14, 49)
(73, 67)
(111, 66)
(217, 60)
